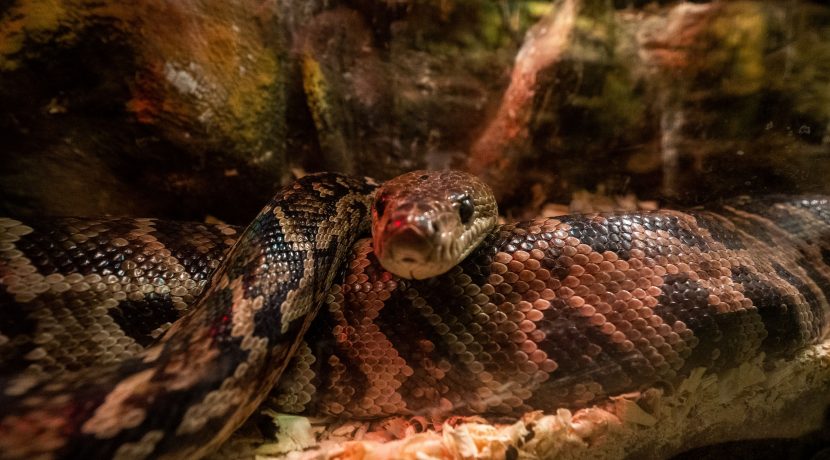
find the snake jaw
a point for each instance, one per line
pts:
(419, 245)
(409, 252)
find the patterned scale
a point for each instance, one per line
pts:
(186, 392)
(561, 312)
(545, 313)
(92, 291)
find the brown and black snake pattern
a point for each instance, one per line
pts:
(184, 394)
(561, 312)
(545, 313)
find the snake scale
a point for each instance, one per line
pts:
(541, 314)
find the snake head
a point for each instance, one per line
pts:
(426, 222)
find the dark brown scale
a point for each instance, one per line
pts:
(18, 326)
(212, 367)
(781, 320)
(582, 307)
(823, 285)
(813, 317)
(545, 313)
(138, 318)
(719, 230)
(418, 339)
(748, 225)
(686, 301)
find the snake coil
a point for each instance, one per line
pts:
(541, 314)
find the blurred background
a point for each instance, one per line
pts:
(201, 109)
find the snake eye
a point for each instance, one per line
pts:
(466, 208)
(380, 205)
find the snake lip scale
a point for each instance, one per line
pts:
(541, 314)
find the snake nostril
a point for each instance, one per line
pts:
(434, 227)
(408, 260)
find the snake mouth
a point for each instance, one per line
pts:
(408, 252)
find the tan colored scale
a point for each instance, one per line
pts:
(497, 351)
(369, 352)
(73, 310)
(519, 326)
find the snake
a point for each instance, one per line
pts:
(142, 338)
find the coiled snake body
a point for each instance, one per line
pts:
(542, 314)
(184, 395)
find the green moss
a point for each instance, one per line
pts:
(233, 83)
(316, 92)
(491, 27)
(32, 17)
(737, 48)
(536, 10)
(808, 62)
(622, 108)
(252, 103)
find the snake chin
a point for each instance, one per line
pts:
(409, 253)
